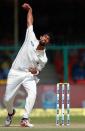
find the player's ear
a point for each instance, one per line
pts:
(51, 37)
(40, 37)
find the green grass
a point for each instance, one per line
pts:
(44, 124)
(44, 120)
(44, 129)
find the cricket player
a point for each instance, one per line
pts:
(28, 63)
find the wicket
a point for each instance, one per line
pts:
(67, 87)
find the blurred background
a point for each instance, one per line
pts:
(66, 54)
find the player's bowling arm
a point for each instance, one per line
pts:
(29, 18)
(28, 8)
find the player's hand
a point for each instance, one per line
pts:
(33, 70)
(26, 6)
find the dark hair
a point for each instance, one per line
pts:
(50, 35)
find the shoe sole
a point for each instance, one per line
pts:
(24, 125)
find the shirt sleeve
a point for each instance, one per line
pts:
(41, 65)
(42, 59)
(30, 28)
(31, 37)
(30, 33)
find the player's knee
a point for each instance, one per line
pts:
(32, 94)
(33, 91)
(6, 100)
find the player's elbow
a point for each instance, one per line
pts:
(29, 22)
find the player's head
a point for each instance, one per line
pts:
(45, 39)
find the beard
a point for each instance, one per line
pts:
(42, 43)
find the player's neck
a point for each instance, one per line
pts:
(40, 47)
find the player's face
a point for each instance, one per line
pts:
(45, 39)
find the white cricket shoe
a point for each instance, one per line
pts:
(9, 118)
(25, 123)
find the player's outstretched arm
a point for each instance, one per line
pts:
(28, 8)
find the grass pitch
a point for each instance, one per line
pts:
(44, 121)
(45, 124)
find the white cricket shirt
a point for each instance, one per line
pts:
(28, 56)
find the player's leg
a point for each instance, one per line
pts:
(12, 87)
(13, 84)
(30, 87)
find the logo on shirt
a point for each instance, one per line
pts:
(37, 63)
(32, 43)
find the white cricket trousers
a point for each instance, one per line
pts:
(14, 81)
